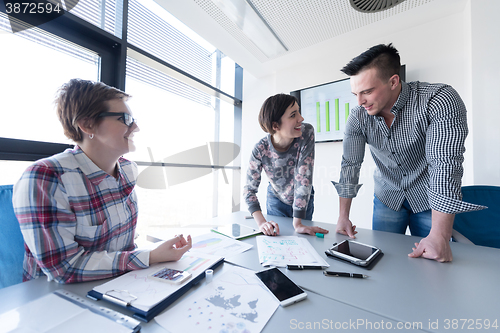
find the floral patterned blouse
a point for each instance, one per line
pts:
(290, 173)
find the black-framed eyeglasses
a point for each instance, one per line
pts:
(124, 117)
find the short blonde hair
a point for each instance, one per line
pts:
(83, 100)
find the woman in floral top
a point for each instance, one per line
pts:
(287, 156)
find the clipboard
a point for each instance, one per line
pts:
(130, 301)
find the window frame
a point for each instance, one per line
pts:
(112, 71)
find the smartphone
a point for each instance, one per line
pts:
(284, 289)
(170, 275)
(355, 252)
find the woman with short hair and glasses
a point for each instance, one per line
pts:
(78, 209)
(286, 154)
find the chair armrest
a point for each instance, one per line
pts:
(459, 238)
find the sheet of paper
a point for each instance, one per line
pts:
(218, 245)
(53, 314)
(280, 251)
(149, 292)
(235, 301)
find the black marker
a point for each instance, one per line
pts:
(301, 267)
(342, 274)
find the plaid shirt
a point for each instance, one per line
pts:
(419, 158)
(78, 222)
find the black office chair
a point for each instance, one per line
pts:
(11, 241)
(480, 227)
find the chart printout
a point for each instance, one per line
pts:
(218, 245)
(287, 250)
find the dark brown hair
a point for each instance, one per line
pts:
(273, 109)
(383, 57)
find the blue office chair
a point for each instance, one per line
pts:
(480, 227)
(11, 241)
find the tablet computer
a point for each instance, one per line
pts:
(354, 252)
(236, 230)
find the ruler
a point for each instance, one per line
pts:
(115, 316)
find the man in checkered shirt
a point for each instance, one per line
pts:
(416, 133)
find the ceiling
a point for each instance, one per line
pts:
(300, 24)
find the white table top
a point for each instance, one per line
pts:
(315, 311)
(399, 291)
(402, 288)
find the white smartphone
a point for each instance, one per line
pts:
(170, 275)
(284, 289)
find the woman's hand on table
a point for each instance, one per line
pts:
(171, 250)
(270, 228)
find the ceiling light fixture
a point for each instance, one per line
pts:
(253, 25)
(373, 6)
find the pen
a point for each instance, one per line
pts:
(342, 274)
(301, 267)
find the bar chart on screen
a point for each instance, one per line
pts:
(327, 108)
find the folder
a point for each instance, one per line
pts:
(145, 297)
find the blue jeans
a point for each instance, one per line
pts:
(386, 219)
(276, 207)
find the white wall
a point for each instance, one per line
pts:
(255, 91)
(436, 51)
(485, 85)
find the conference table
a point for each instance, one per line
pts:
(400, 294)
(443, 297)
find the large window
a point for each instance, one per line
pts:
(34, 65)
(173, 76)
(154, 30)
(105, 14)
